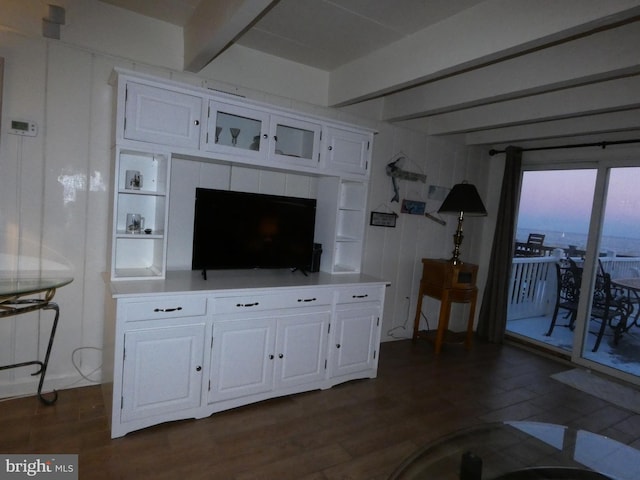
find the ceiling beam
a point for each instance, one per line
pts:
(487, 32)
(568, 127)
(601, 97)
(600, 56)
(214, 25)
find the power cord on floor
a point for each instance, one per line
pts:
(83, 376)
(390, 332)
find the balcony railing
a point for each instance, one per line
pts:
(532, 287)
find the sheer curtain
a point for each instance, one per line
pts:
(493, 313)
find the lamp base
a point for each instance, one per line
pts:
(457, 241)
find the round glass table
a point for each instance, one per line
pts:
(521, 451)
(19, 295)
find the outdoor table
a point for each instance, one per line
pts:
(24, 295)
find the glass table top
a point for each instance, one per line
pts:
(522, 450)
(11, 287)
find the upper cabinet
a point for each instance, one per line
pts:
(347, 151)
(161, 116)
(217, 126)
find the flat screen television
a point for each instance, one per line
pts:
(239, 230)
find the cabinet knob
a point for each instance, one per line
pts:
(265, 136)
(337, 345)
(270, 357)
(196, 122)
(330, 148)
(280, 355)
(198, 368)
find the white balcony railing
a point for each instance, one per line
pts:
(532, 287)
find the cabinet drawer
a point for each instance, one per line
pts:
(165, 307)
(359, 294)
(273, 301)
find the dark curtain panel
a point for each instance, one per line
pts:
(492, 321)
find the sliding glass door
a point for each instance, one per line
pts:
(575, 286)
(610, 333)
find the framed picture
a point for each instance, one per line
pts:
(380, 219)
(413, 207)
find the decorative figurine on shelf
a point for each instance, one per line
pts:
(234, 135)
(135, 223)
(133, 180)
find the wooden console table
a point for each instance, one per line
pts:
(448, 283)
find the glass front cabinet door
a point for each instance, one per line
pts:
(237, 130)
(295, 142)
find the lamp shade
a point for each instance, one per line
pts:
(463, 197)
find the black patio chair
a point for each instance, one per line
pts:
(610, 306)
(533, 247)
(569, 280)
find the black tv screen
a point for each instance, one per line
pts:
(235, 230)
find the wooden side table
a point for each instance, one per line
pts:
(448, 283)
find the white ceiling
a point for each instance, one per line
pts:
(490, 72)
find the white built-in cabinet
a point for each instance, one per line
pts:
(185, 347)
(177, 345)
(157, 120)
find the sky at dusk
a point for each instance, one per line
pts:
(561, 201)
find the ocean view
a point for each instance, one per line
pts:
(620, 245)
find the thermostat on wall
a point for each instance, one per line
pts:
(23, 127)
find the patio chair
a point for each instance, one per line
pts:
(536, 239)
(569, 280)
(532, 248)
(610, 307)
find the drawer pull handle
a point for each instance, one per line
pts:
(307, 299)
(247, 304)
(360, 296)
(177, 309)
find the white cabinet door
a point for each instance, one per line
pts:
(236, 130)
(158, 115)
(347, 151)
(294, 142)
(242, 358)
(301, 349)
(355, 340)
(162, 370)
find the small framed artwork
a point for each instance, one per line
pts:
(381, 219)
(413, 207)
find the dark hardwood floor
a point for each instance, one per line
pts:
(358, 430)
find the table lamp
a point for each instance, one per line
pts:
(463, 199)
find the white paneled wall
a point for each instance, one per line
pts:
(395, 253)
(55, 192)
